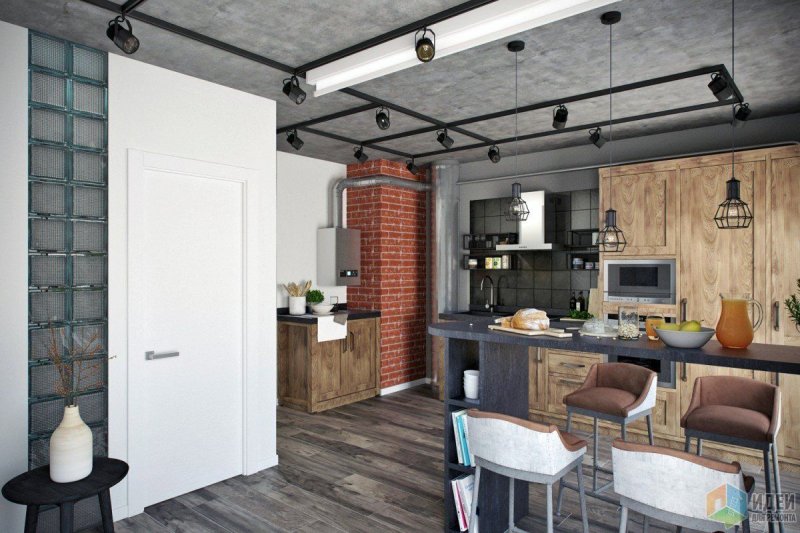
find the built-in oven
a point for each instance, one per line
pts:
(664, 369)
(650, 281)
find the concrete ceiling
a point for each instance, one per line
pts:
(655, 38)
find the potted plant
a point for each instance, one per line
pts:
(315, 299)
(79, 364)
(793, 306)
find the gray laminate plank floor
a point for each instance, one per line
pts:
(374, 466)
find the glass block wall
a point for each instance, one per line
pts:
(68, 219)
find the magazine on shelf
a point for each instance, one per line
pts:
(462, 495)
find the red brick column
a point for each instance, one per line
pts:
(392, 221)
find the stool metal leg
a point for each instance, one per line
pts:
(776, 476)
(687, 444)
(594, 456)
(645, 523)
(650, 429)
(31, 518)
(473, 513)
(699, 446)
(561, 481)
(549, 508)
(105, 511)
(569, 420)
(623, 519)
(67, 514)
(768, 484)
(624, 429)
(511, 504)
(582, 498)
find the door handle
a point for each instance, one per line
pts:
(572, 365)
(343, 344)
(684, 301)
(352, 341)
(683, 372)
(150, 356)
(776, 315)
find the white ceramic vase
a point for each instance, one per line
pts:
(297, 305)
(71, 448)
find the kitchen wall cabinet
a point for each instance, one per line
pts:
(646, 200)
(315, 376)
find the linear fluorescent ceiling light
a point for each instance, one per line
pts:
(491, 22)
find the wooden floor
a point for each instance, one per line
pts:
(373, 466)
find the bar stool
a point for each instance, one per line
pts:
(617, 392)
(739, 411)
(677, 487)
(524, 450)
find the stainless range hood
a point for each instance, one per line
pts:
(531, 231)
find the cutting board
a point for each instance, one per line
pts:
(554, 332)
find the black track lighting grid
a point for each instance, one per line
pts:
(436, 124)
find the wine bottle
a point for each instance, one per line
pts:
(572, 302)
(581, 302)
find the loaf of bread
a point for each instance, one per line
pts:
(532, 319)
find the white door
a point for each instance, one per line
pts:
(187, 279)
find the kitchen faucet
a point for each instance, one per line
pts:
(490, 303)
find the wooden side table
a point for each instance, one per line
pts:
(35, 488)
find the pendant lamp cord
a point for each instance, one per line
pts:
(516, 110)
(733, 106)
(610, 98)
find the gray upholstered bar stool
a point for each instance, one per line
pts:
(739, 411)
(524, 450)
(678, 487)
(617, 392)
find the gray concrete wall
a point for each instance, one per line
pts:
(674, 144)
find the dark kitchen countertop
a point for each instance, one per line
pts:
(768, 357)
(478, 317)
(352, 314)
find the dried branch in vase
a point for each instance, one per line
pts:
(79, 363)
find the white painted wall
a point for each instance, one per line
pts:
(157, 110)
(305, 192)
(711, 138)
(13, 264)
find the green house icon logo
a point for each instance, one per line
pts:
(727, 504)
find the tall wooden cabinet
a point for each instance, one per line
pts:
(315, 376)
(667, 208)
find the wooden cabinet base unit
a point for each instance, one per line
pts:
(315, 376)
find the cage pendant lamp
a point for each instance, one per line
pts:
(733, 213)
(517, 209)
(611, 238)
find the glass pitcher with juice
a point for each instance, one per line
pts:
(734, 329)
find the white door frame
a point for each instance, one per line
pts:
(258, 401)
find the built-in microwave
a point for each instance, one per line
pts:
(650, 281)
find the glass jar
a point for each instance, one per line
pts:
(651, 323)
(628, 322)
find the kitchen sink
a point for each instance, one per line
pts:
(490, 314)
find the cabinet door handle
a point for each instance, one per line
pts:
(570, 381)
(538, 355)
(684, 302)
(352, 341)
(776, 315)
(572, 365)
(343, 344)
(683, 372)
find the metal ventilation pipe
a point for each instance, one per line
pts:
(349, 183)
(444, 177)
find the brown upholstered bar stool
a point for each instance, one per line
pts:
(739, 411)
(617, 392)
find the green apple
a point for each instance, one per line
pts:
(691, 325)
(669, 326)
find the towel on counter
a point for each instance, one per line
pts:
(340, 317)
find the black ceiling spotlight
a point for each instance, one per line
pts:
(596, 136)
(293, 139)
(123, 37)
(425, 47)
(720, 87)
(560, 114)
(358, 153)
(411, 166)
(291, 88)
(444, 139)
(494, 154)
(382, 118)
(741, 112)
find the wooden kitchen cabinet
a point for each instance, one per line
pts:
(783, 272)
(646, 200)
(315, 376)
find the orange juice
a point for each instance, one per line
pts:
(734, 329)
(650, 325)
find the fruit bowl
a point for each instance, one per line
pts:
(685, 339)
